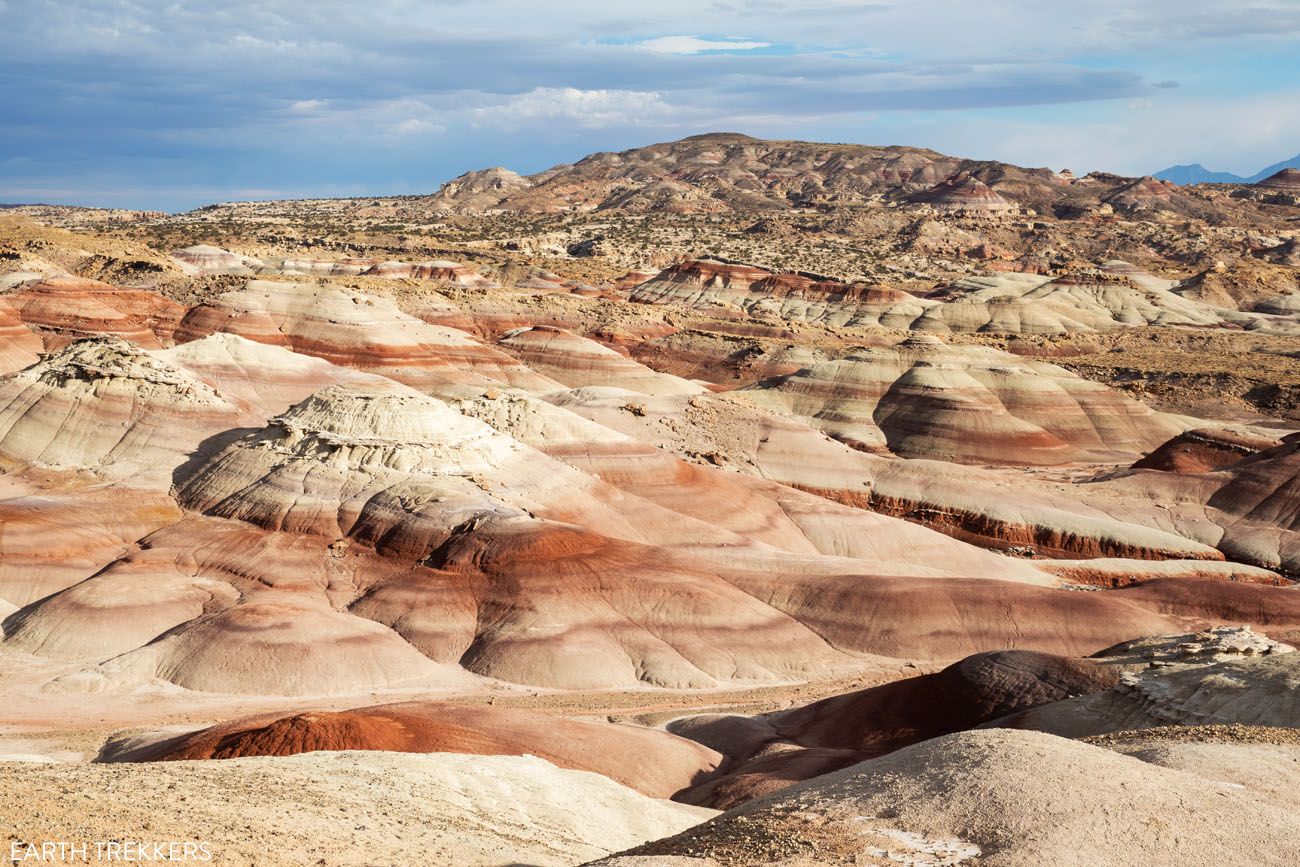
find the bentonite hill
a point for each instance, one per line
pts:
(717, 502)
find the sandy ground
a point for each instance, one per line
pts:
(336, 809)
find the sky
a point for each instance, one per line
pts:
(172, 104)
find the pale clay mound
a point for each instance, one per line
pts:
(343, 809)
(386, 466)
(104, 405)
(207, 259)
(353, 329)
(967, 798)
(577, 362)
(269, 379)
(579, 429)
(922, 399)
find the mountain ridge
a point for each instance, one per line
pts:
(1195, 173)
(731, 172)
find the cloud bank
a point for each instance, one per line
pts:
(106, 100)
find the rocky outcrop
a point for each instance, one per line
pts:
(721, 172)
(441, 270)
(1206, 449)
(1012, 797)
(480, 190)
(1004, 303)
(1144, 193)
(1226, 675)
(345, 267)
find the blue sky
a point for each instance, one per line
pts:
(172, 104)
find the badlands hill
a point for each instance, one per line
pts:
(306, 485)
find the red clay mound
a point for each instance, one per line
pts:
(845, 729)
(1201, 451)
(617, 752)
(975, 690)
(1274, 610)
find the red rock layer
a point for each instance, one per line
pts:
(713, 273)
(76, 306)
(351, 266)
(577, 362)
(1144, 193)
(1262, 498)
(19, 345)
(813, 287)
(990, 531)
(922, 399)
(53, 541)
(351, 329)
(1200, 451)
(448, 272)
(632, 279)
(1204, 601)
(615, 751)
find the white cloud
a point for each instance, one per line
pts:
(696, 45)
(587, 108)
(308, 106)
(416, 126)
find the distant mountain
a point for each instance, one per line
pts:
(1196, 174)
(1293, 163)
(1199, 174)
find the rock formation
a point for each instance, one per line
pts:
(578, 362)
(775, 751)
